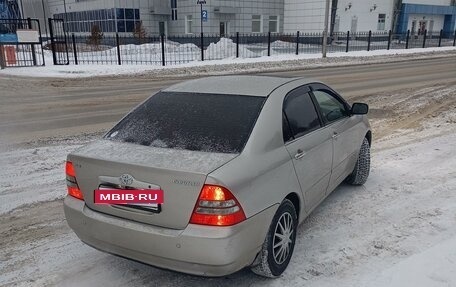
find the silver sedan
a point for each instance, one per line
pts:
(240, 160)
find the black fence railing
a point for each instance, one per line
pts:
(114, 48)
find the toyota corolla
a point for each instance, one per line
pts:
(236, 162)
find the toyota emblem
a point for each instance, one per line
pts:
(126, 179)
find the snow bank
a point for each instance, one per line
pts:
(226, 49)
(72, 71)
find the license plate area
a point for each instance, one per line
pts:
(135, 207)
(153, 208)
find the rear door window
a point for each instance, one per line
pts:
(191, 121)
(300, 114)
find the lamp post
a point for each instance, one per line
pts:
(44, 17)
(201, 2)
(325, 32)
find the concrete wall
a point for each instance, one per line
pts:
(306, 16)
(364, 14)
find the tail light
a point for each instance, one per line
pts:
(217, 206)
(72, 185)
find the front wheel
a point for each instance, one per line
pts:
(280, 241)
(361, 171)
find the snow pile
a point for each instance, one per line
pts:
(226, 49)
(35, 175)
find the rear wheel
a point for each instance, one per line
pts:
(362, 168)
(280, 241)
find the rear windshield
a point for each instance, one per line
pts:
(199, 122)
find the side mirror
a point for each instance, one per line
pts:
(359, 109)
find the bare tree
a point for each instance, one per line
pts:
(139, 32)
(95, 36)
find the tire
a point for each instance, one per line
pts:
(274, 261)
(360, 173)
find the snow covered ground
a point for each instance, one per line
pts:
(289, 60)
(396, 230)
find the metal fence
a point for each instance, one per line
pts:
(18, 52)
(172, 50)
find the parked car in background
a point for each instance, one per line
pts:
(242, 160)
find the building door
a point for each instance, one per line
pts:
(224, 28)
(354, 25)
(162, 28)
(422, 27)
(413, 27)
(336, 24)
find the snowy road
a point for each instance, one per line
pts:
(37, 108)
(397, 230)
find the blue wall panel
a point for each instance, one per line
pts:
(448, 11)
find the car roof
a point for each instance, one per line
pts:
(260, 86)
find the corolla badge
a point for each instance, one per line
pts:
(126, 179)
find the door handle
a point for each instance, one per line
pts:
(299, 154)
(335, 135)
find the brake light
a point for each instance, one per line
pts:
(72, 185)
(217, 206)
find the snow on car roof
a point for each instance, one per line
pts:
(260, 86)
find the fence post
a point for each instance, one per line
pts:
(202, 46)
(369, 41)
(348, 41)
(118, 49)
(297, 43)
(75, 52)
(454, 40)
(162, 40)
(440, 38)
(2, 58)
(51, 33)
(424, 39)
(237, 44)
(390, 33)
(269, 44)
(29, 22)
(407, 40)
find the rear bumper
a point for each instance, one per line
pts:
(199, 250)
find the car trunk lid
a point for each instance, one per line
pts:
(179, 173)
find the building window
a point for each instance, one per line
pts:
(82, 22)
(274, 24)
(127, 19)
(257, 24)
(173, 10)
(381, 22)
(188, 24)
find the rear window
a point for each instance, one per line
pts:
(190, 121)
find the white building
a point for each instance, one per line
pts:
(247, 16)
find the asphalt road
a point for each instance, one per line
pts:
(40, 108)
